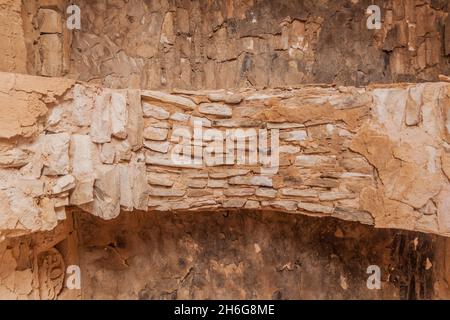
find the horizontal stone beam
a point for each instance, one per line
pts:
(378, 155)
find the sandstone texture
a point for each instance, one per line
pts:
(228, 44)
(377, 155)
(221, 256)
(34, 39)
(224, 149)
(12, 37)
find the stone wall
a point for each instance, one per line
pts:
(258, 43)
(34, 38)
(240, 255)
(12, 38)
(227, 44)
(48, 40)
(252, 255)
(87, 176)
(377, 155)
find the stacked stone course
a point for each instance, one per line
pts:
(378, 155)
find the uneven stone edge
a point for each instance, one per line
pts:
(378, 155)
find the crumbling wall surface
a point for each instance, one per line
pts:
(88, 176)
(12, 38)
(48, 40)
(34, 38)
(34, 266)
(228, 44)
(250, 255)
(377, 155)
(240, 255)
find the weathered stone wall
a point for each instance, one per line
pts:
(48, 40)
(34, 38)
(252, 255)
(213, 255)
(233, 43)
(227, 44)
(378, 155)
(34, 266)
(12, 38)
